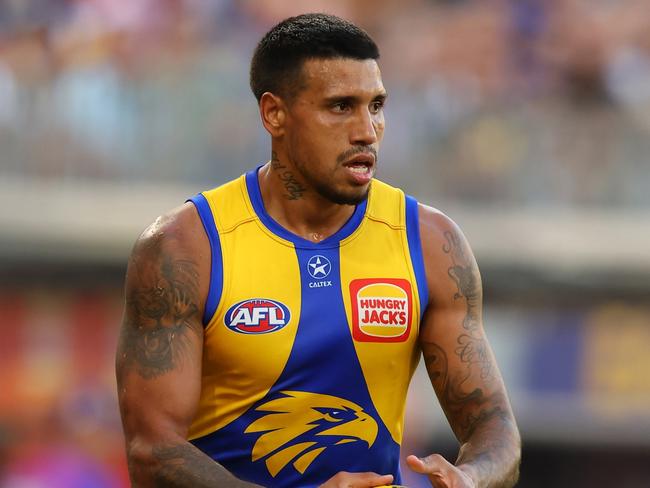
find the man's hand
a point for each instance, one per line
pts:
(343, 479)
(441, 473)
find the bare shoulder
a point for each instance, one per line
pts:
(435, 226)
(175, 244)
(179, 230)
(448, 257)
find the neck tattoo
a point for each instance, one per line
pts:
(294, 189)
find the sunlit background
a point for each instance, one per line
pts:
(527, 121)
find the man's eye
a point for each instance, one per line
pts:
(376, 106)
(341, 106)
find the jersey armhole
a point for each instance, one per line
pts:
(216, 262)
(415, 249)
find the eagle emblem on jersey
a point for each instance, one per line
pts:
(301, 425)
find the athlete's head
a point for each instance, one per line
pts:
(279, 57)
(321, 98)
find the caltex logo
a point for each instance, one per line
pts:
(319, 267)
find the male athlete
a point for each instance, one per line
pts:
(273, 324)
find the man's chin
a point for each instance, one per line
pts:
(354, 197)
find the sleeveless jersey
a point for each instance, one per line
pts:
(309, 348)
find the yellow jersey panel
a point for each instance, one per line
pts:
(382, 303)
(239, 367)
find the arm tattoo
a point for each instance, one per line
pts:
(294, 189)
(184, 465)
(466, 410)
(159, 316)
(470, 412)
(180, 466)
(480, 419)
(466, 407)
(472, 348)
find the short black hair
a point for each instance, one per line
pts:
(279, 56)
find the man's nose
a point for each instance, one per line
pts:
(364, 130)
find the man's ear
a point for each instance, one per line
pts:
(273, 111)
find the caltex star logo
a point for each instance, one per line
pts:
(319, 266)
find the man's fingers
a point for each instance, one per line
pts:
(358, 480)
(432, 464)
(364, 480)
(441, 472)
(416, 464)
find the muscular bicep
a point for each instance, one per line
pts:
(456, 352)
(158, 359)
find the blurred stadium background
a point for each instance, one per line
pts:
(527, 121)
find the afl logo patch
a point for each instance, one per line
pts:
(381, 309)
(257, 316)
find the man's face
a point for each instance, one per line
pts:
(334, 126)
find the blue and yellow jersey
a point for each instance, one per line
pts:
(309, 348)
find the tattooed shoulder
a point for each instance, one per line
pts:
(161, 309)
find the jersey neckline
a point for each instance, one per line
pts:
(255, 195)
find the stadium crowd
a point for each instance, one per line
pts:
(499, 101)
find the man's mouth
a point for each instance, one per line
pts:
(361, 166)
(361, 163)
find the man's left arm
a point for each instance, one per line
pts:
(462, 367)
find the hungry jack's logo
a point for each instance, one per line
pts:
(381, 309)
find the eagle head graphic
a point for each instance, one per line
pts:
(301, 425)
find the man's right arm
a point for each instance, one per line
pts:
(158, 361)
